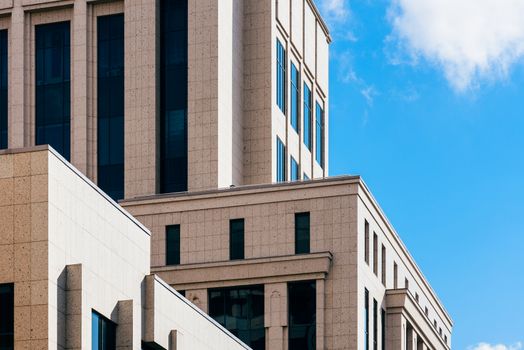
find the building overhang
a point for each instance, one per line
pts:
(401, 302)
(247, 271)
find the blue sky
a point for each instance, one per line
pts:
(427, 104)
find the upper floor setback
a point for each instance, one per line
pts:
(336, 210)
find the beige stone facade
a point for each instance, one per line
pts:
(339, 209)
(233, 122)
(69, 250)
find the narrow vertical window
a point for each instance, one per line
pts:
(302, 315)
(236, 239)
(319, 134)
(3, 89)
(294, 170)
(395, 275)
(375, 325)
(103, 333)
(383, 330)
(281, 161)
(110, 98)
(173, 95)
(173, 245)
(366, 319)
(295, 96)
(366, 242)
(302, 233)
(406, 283)
(281, 77)
(307, 116)
(375, 254)
(7, 320)
(53, 92)
(384, 266)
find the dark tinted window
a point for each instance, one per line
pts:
(375, 325)
(241, 311)
(281, 161)
(302, 315)
(294, 170)
(302, 234)
(319, 132)
(173, 245)
(111, 105)
(3, 89)
(103, 333)
(236, 239)
(366, 320)
(307, 116)
(281, 77)
(53, 95)
(173, 96)
(295, 96)
(383, 328)
(7, 316)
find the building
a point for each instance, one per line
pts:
(208, 121)
(75, 271)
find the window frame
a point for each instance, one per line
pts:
(237, 239)
(176, 231)
(302, 244)
(281, 75)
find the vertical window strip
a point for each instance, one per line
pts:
(173, 245)
(236, 239)
(366, 319)
(3, 90)
(383, 330)
(281, 161)
(384, 265)
(307, 116)
(375, 254)
(366, 242)
(375, 325)
(7, 320)
(294, 170)
(295, 97)
(281, 77)
(395, 275)
(302, 233)
(53, 87)
(110, 85)
(319, 134)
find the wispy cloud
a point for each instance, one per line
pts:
(334, 10)
(472, 41)
(486, 346)
(369, 94)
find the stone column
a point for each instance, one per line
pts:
(124, 331)
(141, 99)
(79, 87)
(275, 305)
(73, 307)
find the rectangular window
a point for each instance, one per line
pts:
(406, 283)
(383, 331)
(295, 97)
(173, 95)
(110, 82)
(383, 260)
(375, 254)
(281, 161)
(173, 245)
(302, 233)
(281, 77)
(366, 319)
(294, 170)
(236, 239)
(395, 275)
(103, 333)
(319, 132)
(3, 89)
(302, 305)
(7, 312)
(241, 311)
(53, 92)
(307, 116)
(366, 242)
(375, 325)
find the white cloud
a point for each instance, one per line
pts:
(470, 40)
(369, 94)
(486, 346)
(334, 10)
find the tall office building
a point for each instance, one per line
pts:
(208, 121)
